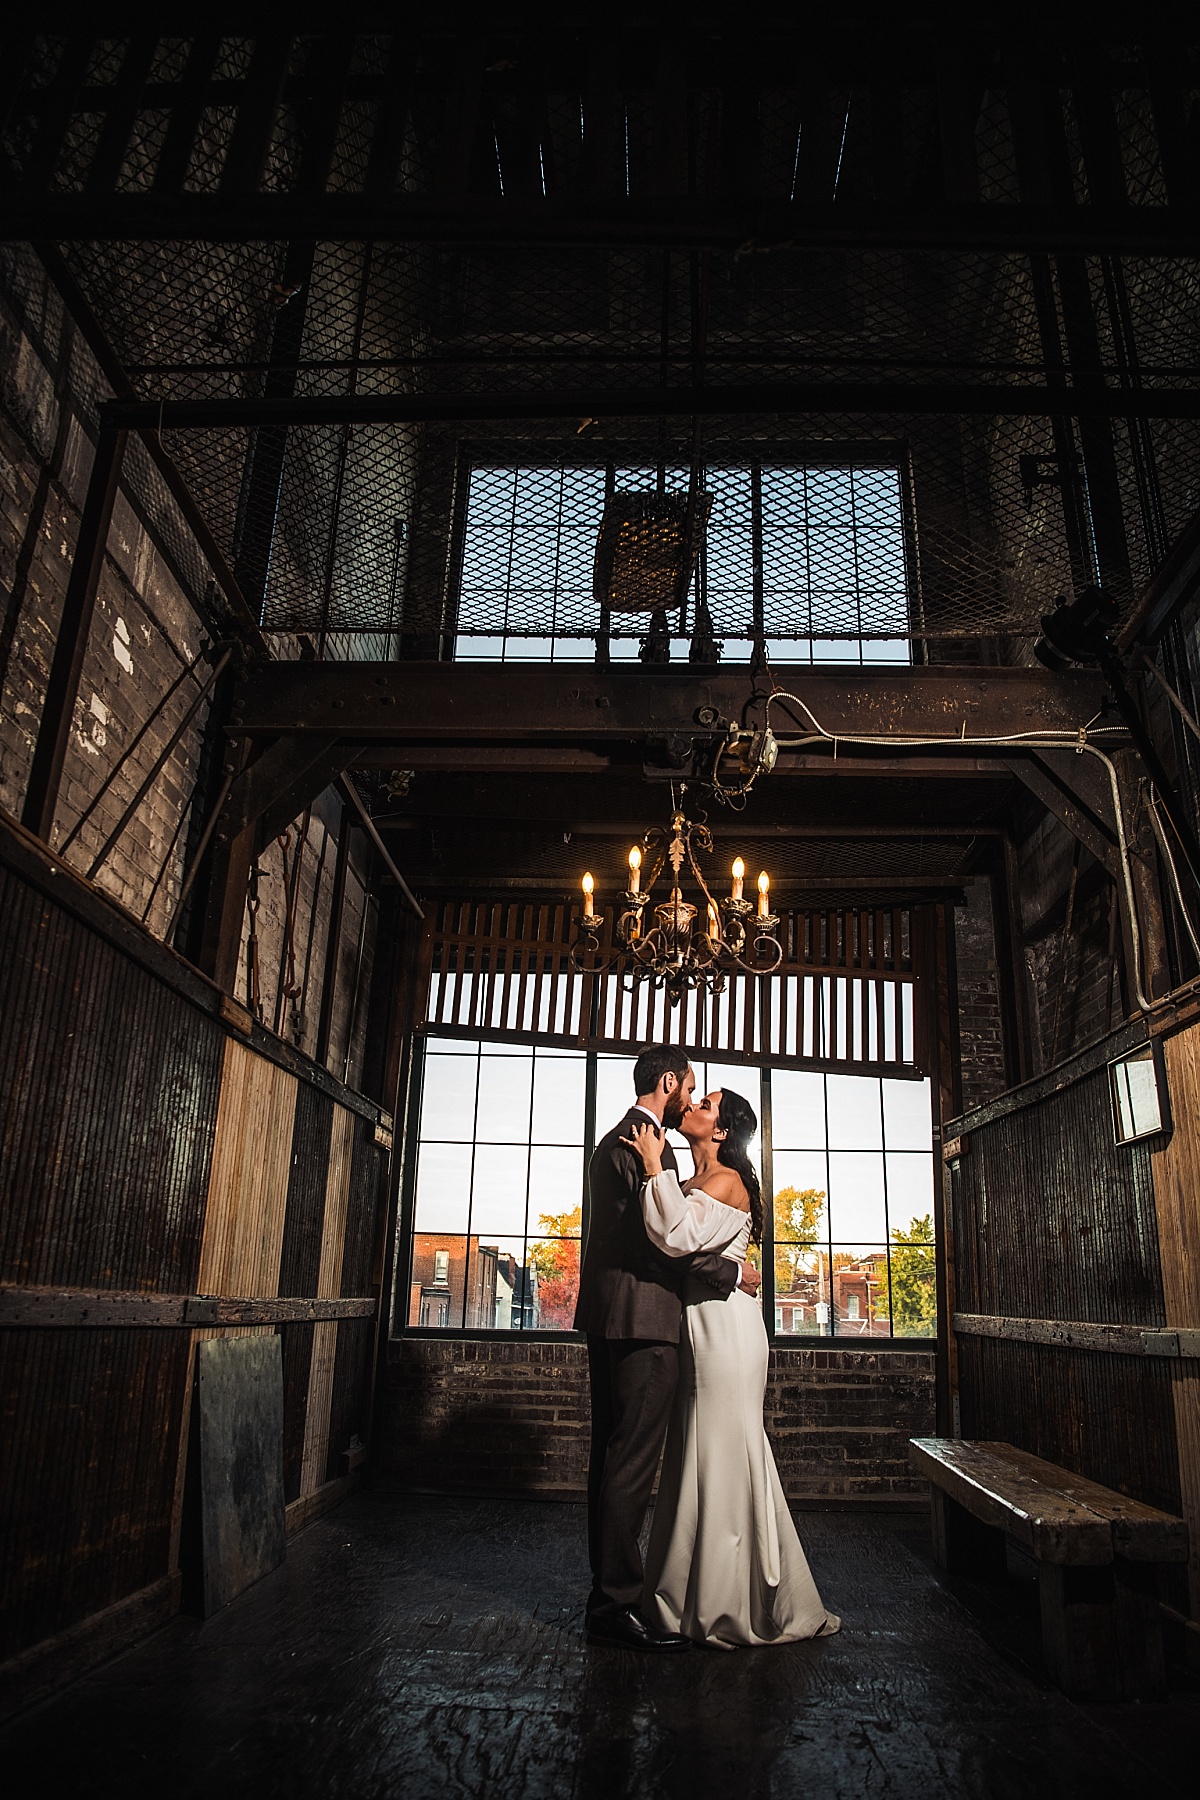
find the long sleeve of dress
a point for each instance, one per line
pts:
(682, 1225)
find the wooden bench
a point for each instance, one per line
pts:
(1097, 1556)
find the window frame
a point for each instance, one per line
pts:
(777, 1338)
(880, 453)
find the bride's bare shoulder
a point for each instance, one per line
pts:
(727, 1186)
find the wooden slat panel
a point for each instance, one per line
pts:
(324, 1344)
(337, 1198)
(1176, 1174)
(242, 1244)
(504, 967)
(316, 1419)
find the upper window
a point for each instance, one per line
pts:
(812, 559)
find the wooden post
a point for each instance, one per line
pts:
(963, 1544)
(70, 649)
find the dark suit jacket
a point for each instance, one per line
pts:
(627, 1287)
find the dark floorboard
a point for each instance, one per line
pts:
(421, 1647)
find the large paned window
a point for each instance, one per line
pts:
(499, 1139)
(852, 1180)
(814, 559)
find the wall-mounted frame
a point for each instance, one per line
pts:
(1137, 1086)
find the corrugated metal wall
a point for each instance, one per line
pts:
(147, 1150)
(1053, 1219)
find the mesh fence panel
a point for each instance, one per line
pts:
(342, 531)
(981, 558)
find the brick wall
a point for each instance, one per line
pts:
(980, 1024)
(512, 1417)
(150, 619)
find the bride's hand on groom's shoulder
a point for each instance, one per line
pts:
(645, 1140)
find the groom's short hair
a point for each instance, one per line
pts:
(655, 1062)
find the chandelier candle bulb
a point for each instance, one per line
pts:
(739, 876)
(764, 892)
(635, 870)
(589, 887)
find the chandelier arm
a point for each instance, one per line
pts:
(759, 968)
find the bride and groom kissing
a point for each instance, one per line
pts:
(677, 1348)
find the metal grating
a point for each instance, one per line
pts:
(335, 530)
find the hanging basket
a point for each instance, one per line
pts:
(642, 554)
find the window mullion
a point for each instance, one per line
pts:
(767, 1247)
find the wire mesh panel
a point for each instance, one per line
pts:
(342, 532)
(804, 557)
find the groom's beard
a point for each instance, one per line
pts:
(674, 1111)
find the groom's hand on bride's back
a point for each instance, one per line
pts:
(751, 1280)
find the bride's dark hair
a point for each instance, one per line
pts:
(738, 1121)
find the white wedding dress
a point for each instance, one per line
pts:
(725, 1565)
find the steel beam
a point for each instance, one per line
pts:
(985, 399)
(425, 702)
(1069, 810)
(674, 221)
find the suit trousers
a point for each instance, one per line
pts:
(633, 1386)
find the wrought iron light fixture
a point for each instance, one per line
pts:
(682, 949)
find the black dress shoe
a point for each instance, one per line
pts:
(624, 1628)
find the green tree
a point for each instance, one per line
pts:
(797, 1220)
(914, 1290)
(556, 1259)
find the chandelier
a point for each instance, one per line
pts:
(679, 947)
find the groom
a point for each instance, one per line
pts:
(631, 1308)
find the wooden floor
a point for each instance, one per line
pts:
(420, 1647)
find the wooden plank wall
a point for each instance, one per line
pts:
(1177, 1197)
(1055, 1223)
(146, 1148)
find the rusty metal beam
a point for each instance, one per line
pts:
(675, 221)
(957, 398)
(355, 804)
(589, 705)
(287, 775)
(1069, 809)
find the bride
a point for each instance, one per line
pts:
(725, 1566)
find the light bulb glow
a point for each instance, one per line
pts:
(764, 890)
(635, 865)
(589, 888)
(739, 875)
